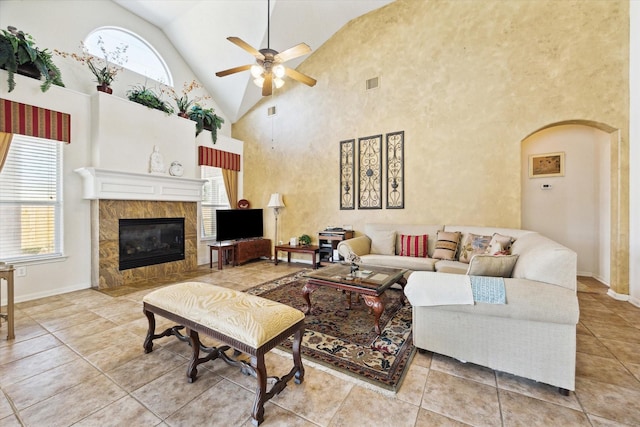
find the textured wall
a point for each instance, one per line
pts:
(465, 80)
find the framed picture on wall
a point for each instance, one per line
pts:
(546, 165)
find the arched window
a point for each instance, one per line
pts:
(140, 56)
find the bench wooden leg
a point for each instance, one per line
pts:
(151, 332)
(257, 414)
(297, 356)
(194, 341)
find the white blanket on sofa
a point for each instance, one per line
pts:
(438, 289)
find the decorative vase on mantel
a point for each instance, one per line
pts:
(104, 88)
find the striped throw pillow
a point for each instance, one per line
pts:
(413, 245)
(446, 245)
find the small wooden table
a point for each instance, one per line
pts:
(308, 249)
(226, 251)
(6, 273)
(369, 281)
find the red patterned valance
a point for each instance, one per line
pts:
(28, 120)
(218, 158)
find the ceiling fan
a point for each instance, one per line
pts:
(268, 70)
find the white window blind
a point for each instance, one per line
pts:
(214, 196)
(30, 200)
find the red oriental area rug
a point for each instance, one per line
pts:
(345, 340)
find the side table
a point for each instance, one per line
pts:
(308, 249)
(6, 273)
(226, 251)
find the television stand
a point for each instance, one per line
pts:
(247, 250)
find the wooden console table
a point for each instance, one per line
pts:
(308, 249)
(6, 273)
(247, 250)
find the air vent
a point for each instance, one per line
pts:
(373, 83)
(271, 111)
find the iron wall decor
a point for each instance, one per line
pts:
(395, 170)
(370, 172)
(347, 174)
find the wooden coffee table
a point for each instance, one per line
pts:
(369, 281)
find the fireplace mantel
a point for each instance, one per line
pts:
(103, 184)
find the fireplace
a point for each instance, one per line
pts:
(150, 241)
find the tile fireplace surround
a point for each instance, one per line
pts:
(115, 195)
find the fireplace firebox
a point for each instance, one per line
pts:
(149, 241)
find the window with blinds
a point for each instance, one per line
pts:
(31, 200)
(214, 196)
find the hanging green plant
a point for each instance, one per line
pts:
(147, 97)
(19, 54)
(206, 119)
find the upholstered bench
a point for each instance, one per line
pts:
(246, 323)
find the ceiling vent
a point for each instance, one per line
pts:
(373, 83)
(271, 111)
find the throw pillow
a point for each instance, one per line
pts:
(413, 245)
(505, 244)
(446, 245)
(383, 242)
(474, 244)
(492, 266)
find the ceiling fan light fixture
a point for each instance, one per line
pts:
(278, 82)
(278, 71)
(259, 81)
(256, 71)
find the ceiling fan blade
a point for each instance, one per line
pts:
(233, 70)
(267, 86)
(302, 78)
(293, 52)
(246, 46)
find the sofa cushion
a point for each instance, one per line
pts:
(490, 265)
(413, 245)
(526, 300)
(451, 266)
(383, 242)
(473, 244)
(446, 245)
(406, 262)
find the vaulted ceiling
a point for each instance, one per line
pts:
(199, 29)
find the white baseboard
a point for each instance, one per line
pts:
(617, 296)
(635, 301)
(48, 293)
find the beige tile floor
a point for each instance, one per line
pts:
(77, 360)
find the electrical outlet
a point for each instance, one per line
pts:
(21, 271)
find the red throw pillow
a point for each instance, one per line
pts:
(413, 245)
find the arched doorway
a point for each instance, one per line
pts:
(579, 207)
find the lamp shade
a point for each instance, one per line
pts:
(276, 201)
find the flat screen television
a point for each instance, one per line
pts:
(235, 224)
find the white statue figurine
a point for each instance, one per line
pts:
(156, 162)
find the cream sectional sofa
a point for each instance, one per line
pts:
(533, 335)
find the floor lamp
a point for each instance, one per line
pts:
(276, 203)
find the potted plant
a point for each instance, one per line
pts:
(19, 54)
(305, 240)
(148, 97)
(103, 69)
(206, 119)
(183, 102)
